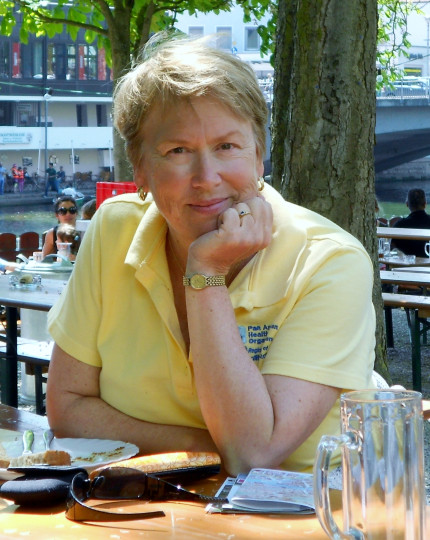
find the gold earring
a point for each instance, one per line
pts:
(260, 183)
(142, 194)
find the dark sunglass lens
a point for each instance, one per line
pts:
(63, 211)
(80, 486)
(119, 483)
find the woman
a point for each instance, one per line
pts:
(66, 211)
(225, 318)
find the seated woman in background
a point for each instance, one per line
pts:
(68, 233)
(225, 318)
(66, 211)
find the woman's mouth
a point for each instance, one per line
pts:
(210, 207)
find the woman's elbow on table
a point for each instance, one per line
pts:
(69, 381)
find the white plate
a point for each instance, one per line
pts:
(86, 453)
(92, 453)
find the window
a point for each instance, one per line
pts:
(87, 62)
(31, 60)
(37, 60)
(4, 60)
(81, 115)
(252, 39)
(51, 61)
(71, 62)
(224, 38)
(26, 114)
(101, 115)
(195, 31)
(6, 113)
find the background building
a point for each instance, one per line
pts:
(55, 104)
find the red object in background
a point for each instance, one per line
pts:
(16, 60)
(105, 190)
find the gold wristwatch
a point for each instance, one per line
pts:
(200, 281)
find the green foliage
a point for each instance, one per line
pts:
(102, 19)
(392, 37)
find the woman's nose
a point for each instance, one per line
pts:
(205, 169)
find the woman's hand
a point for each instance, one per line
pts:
(243, 229)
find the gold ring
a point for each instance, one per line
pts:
(244, 213)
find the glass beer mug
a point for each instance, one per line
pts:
(381, 443)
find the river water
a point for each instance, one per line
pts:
(18, 219)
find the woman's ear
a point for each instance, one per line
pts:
(140, 179)
(260, 166)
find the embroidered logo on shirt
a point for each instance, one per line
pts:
(257, 339)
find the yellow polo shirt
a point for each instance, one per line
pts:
(303, 309)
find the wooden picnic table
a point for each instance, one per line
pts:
(405, 279)
(407, 234)
(397, 261)
(182, 521)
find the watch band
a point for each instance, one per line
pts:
(200, 281)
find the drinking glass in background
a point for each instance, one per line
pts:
(37, 256)
(427, 249)
(384, 246)
(64, 249)
(381, 445)
(409, 259)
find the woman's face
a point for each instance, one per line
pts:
(198, 158)
(66, 217)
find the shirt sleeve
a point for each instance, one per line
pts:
(329, 336)
(74, 320)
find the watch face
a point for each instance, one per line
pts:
(198, 281)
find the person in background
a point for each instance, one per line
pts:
(14, 172)
(51, 180)
(89, 209)
(20, 179)
(7, 266)
(225, 318)
(61, 176)
(418, 219)
(66, 211)
(27, 178)
(3, 172)
(68, 233)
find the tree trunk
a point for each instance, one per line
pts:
(119, 34)
(323, 121)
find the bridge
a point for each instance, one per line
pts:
(402, 130)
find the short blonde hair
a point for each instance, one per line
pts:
(181, 68)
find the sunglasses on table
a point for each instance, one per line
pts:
(63, 211)
(123, 483)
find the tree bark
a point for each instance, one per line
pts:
(119, 35)
(323, 121)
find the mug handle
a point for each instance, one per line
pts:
(328, 444)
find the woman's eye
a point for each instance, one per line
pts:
(226, 146)
(178, 150)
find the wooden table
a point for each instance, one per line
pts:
(183, 521)
(406, 234)
(13, 299)
(400, 262)
(405, 279)
(413, 268)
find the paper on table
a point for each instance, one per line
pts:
(267, 491)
